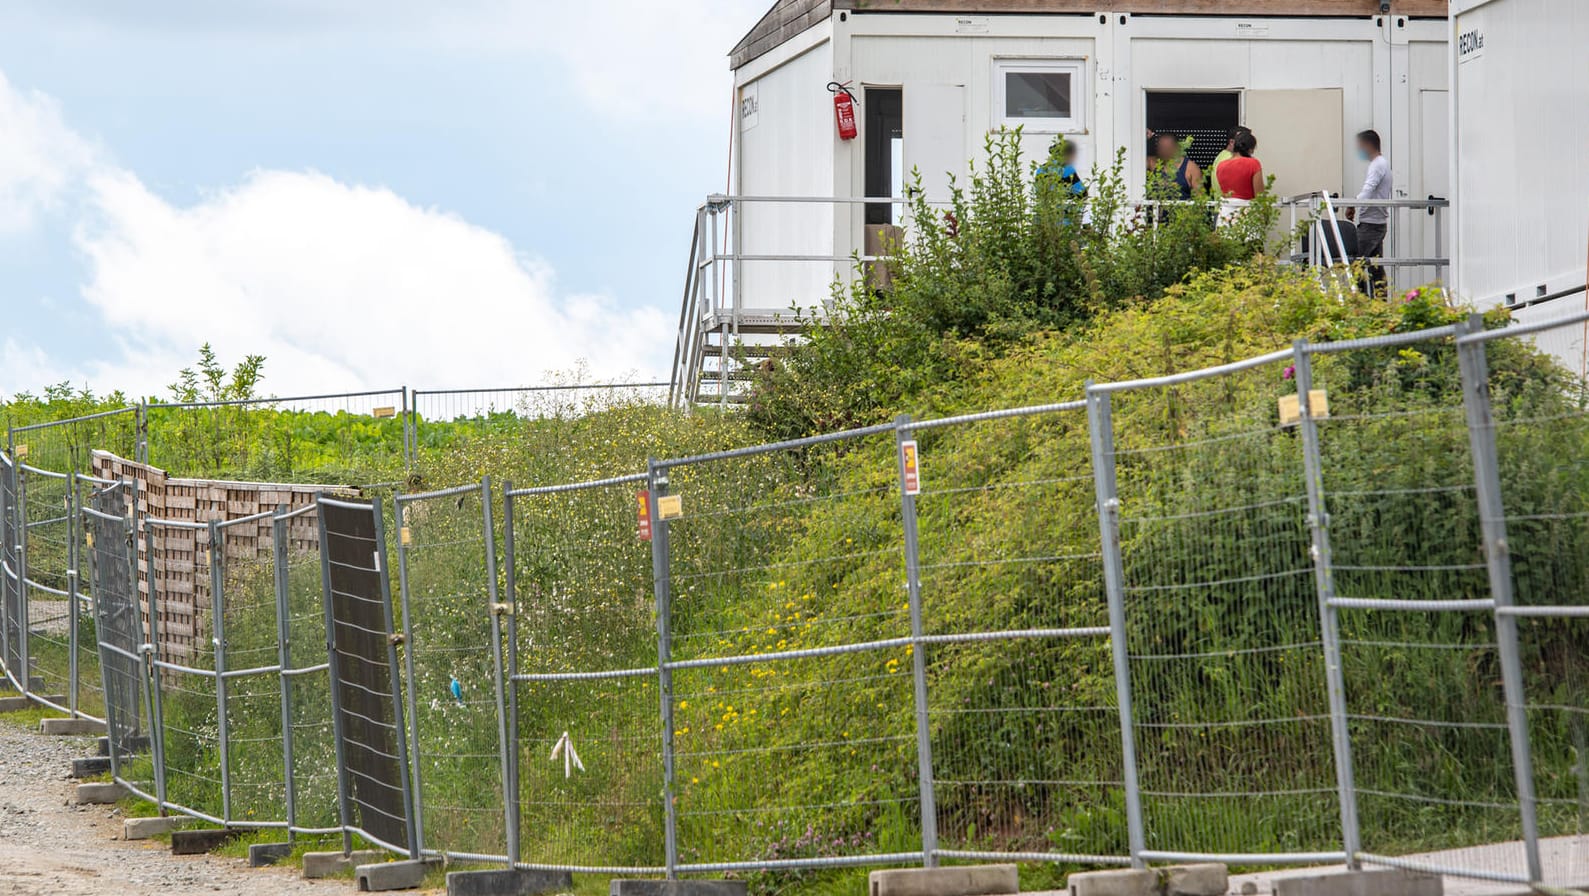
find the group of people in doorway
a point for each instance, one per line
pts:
(1237, 177)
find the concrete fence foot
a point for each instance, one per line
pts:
(1202, 879)
(71, 727)
(145, 828)
(23, 704)
(406, 875)
(317, 865)
(963, 880)
(1362, 883)
(263, 854)
(88, 768)
(677, 888)
(1125, 882)
(505, 882)
(197, 843)
(97, 794)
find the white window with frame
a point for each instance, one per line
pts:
(1041, 95)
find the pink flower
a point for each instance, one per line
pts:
(1411, 295)
(1290, 372)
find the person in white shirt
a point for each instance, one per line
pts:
(1373, 223)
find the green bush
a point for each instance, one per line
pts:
(1016, 254)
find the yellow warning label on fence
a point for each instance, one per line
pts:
(382, 413)
(406, 536)
(670, 507)
(20, 452)
(1291, 407)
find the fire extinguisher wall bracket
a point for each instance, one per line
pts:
(844, 110)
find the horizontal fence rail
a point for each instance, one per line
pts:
(1323, 605)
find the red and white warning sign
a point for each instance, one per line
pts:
(910, 462)
(645, 516)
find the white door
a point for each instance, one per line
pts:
(1301, 140)
(935, 136)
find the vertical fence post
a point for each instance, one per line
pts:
(218, 636)
(657, 484)
(1100, 424)
(510, 786)
(334, 668)
(151, 652)
(25, 617)
(907, 497)
(1329, 619)
(407, 428)
(281, 572)
(416, 822)
(141, 433)
(1498, 561)
(497, 610)
(73, 529)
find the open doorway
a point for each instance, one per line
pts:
(884, 132)
(1206, 117)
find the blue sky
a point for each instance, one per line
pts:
(369, 192)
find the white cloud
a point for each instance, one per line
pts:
(340, 286)
(40, 157)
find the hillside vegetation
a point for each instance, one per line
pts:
(1019, 296)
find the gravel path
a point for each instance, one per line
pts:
(51, 848)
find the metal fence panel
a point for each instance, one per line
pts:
(13, 620)
(354, 436)
(583, 665)
(124, 665)
(1229, 708)
(799, 664)
(375, 798)
(1538, 391)
(1411, 592)
(67, 445)
(56, 613)
(446, 561)
(1025, 734)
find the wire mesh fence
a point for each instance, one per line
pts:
(584, 696)
(1322, 605)
(1539, 417)
(439, 418)
(66, 446)
(108, 514)
(353, 437)
(58, 622)
(794, 663)
(446, 561)
(1024, 728)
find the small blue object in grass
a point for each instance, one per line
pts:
(457, 691)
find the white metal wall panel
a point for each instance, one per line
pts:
(787, 149)
(1521, 138)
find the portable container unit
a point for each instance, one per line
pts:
(933, 77)
(1521, 154)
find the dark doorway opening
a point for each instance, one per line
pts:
(883, 109)
(1205, 117)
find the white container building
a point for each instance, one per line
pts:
(932, 78)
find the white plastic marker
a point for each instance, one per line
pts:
(565, 746)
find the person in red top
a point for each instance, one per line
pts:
(1241, 177)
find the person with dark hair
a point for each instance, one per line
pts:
(1241, 177)
(1172, 173)
(1228, 153)
(1373, 224)
(1061, 168)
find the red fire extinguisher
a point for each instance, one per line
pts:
(844, 110)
